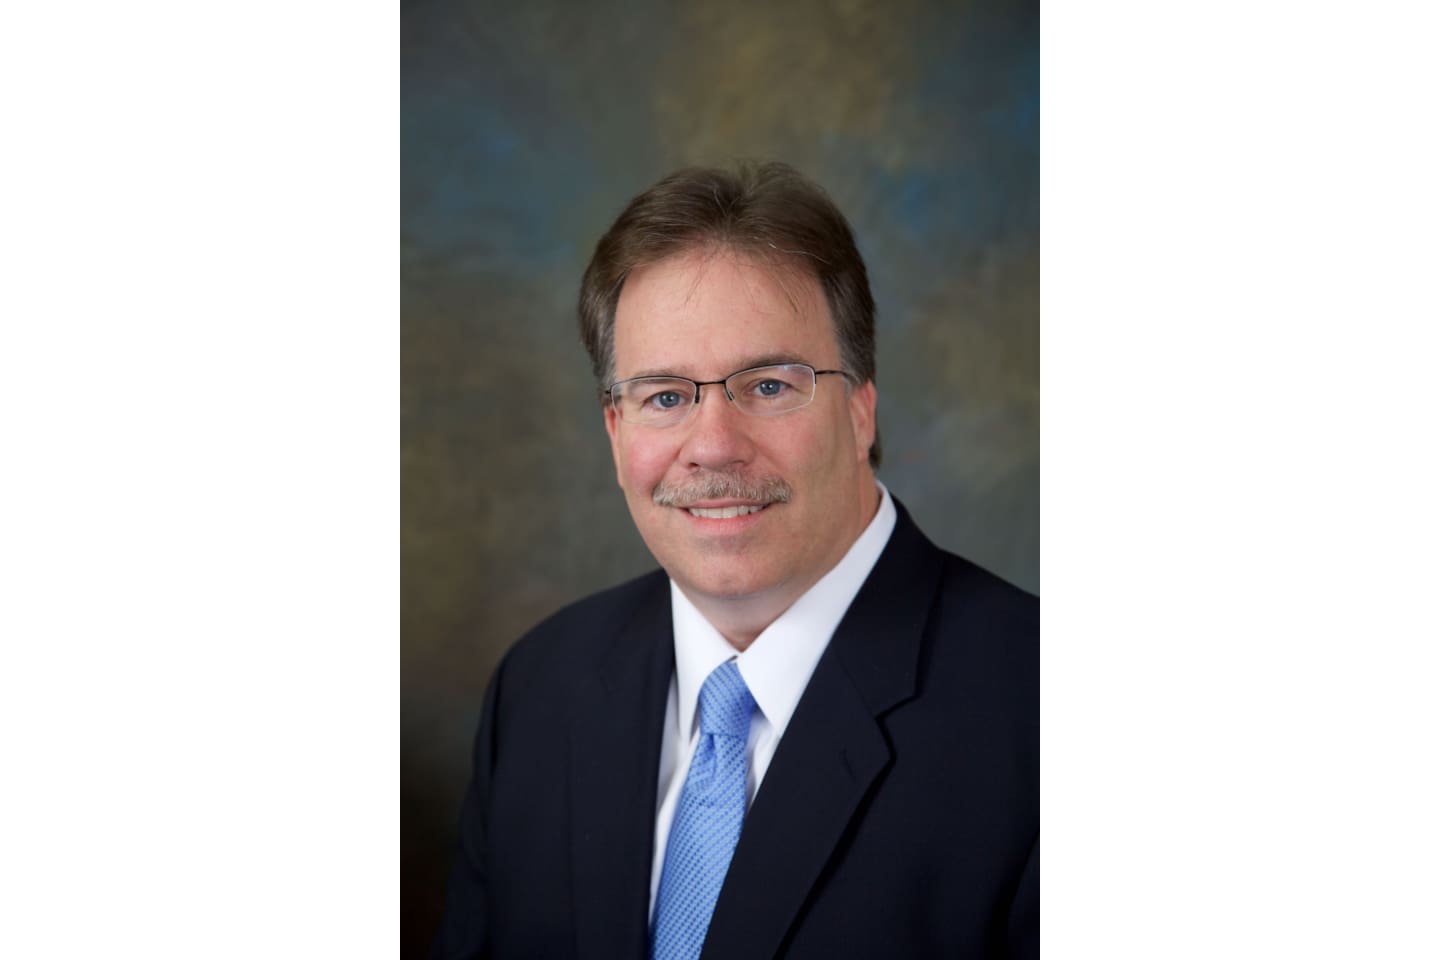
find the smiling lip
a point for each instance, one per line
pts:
(724, 511)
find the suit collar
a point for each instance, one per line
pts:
(879, 641)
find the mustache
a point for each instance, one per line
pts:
(721, 486)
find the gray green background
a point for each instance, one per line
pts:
(525, 129)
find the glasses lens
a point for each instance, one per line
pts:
(766, 391)
(654, 400)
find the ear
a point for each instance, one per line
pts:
(862, 418)
(612, 427)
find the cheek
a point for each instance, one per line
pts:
(822, 445)
(643, 465)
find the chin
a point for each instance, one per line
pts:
(721, 582)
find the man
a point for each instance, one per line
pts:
(814, 734)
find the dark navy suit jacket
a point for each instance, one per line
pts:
(899, 816)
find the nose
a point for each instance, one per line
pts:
(717, 435)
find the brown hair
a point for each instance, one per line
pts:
(763, 209)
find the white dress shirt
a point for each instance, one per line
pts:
(776, 667)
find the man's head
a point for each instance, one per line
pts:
(758, 489)
(768, 211)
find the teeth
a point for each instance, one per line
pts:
(723, 513)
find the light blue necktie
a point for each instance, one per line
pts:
(707, 820)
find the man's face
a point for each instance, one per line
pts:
(705, 316)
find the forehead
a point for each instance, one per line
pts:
(709, 313)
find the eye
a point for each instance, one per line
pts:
(664, 400)
(768, 389)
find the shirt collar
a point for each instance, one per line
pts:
(778, 665)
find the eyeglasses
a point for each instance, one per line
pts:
(758, 391)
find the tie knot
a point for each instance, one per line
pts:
(725, 702)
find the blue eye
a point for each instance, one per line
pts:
(666, 400)
(770, 388)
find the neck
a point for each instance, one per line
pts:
(741, 619)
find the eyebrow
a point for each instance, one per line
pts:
(760, 360)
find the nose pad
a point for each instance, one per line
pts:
(724, 390)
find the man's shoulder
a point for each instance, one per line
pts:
(963, 584)
(987, 593)
(609, 606)
(985, 644)
(582, 632)
(979, 626)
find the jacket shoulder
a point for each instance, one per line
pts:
(987, 594)
(985, 649)
(581, 633)
(965, 590)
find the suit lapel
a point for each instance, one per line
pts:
(832, 752)
(614, 766)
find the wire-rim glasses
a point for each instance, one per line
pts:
(764, 391)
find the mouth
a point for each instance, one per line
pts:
(726, 513)
(721, 502)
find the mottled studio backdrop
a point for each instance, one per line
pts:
(526, 127)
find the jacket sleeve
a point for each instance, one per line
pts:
(464, 926)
